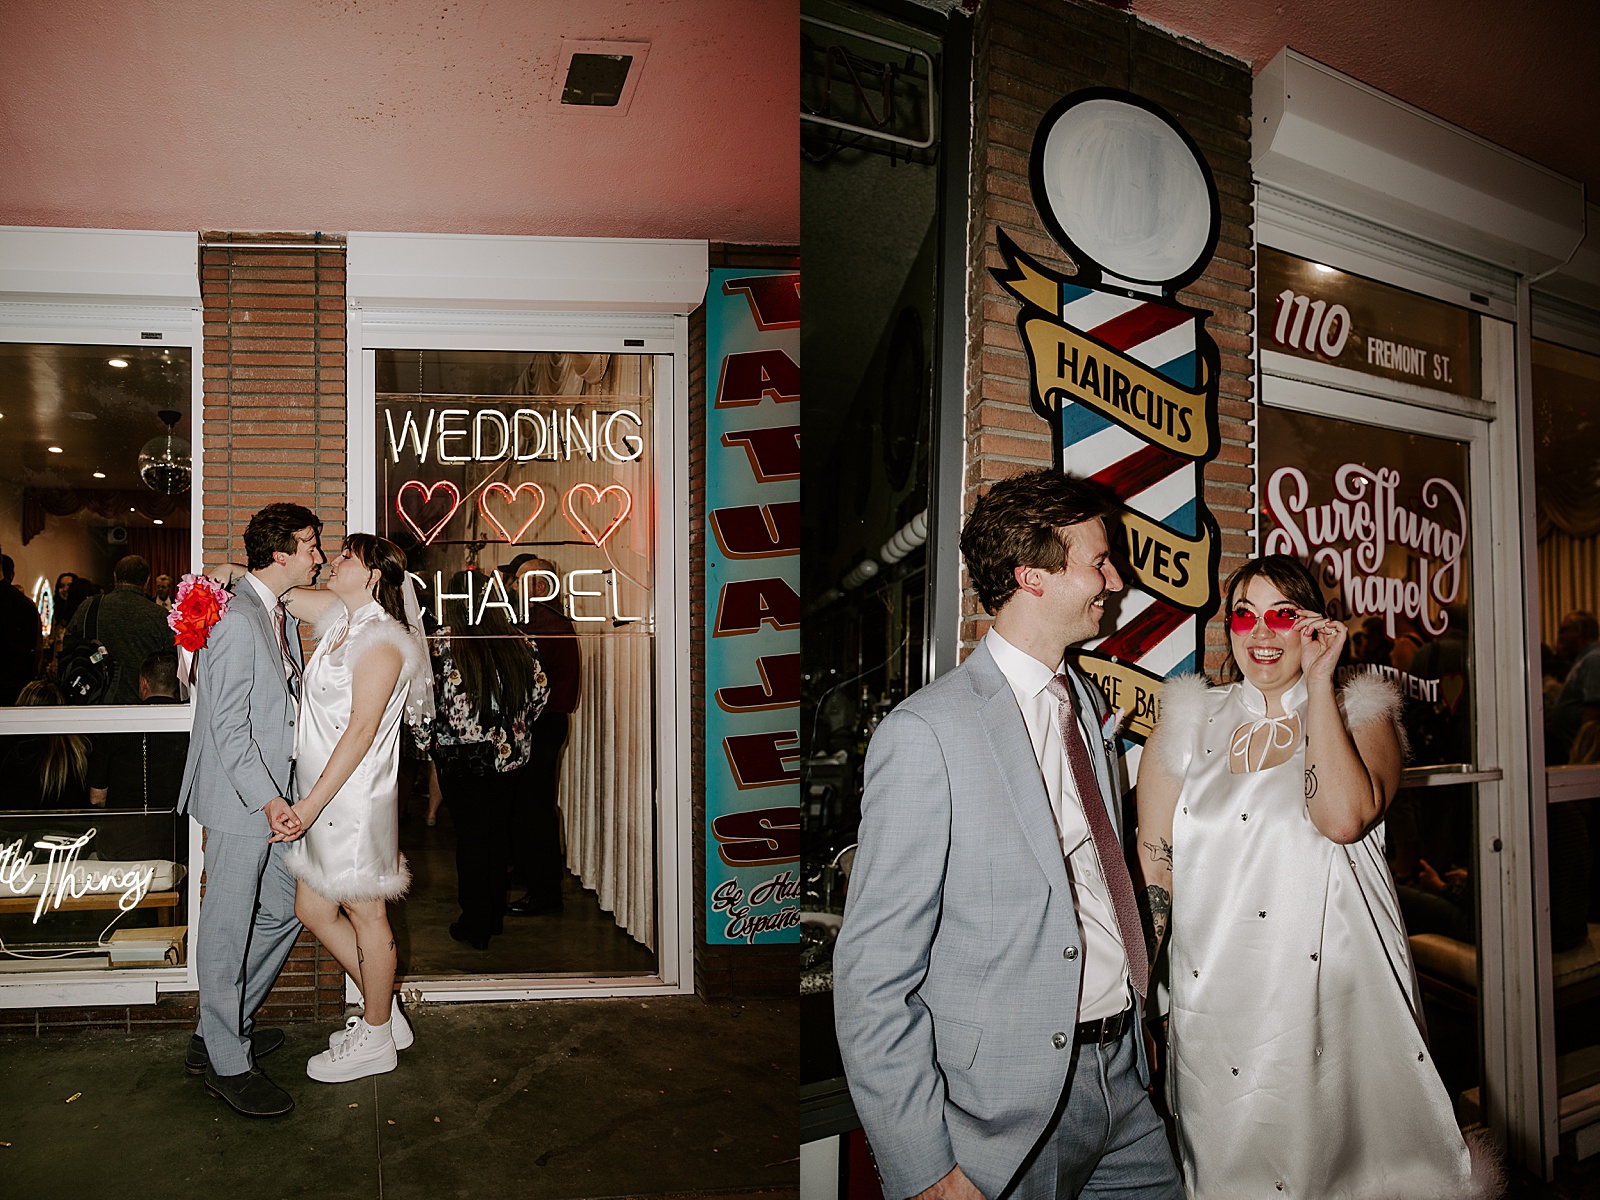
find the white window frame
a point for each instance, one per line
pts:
(529, 294)
(106, 287)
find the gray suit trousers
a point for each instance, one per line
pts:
(247, 928)
(1105, 1140)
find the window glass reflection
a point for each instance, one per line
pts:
(94, 516)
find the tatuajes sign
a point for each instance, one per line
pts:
(1315, 312)
(752, 634)
(1126, 375)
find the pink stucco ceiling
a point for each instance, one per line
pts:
(1521, 74)
(397, 115)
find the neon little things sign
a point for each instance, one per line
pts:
(63, 877)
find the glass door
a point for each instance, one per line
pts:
(1389, 505)
(523, 488)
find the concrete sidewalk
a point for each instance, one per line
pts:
(576, 1098)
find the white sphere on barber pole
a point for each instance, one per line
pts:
(1124, 188)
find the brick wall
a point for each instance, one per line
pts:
(1027, 55)
(273, 429)
(720, 972)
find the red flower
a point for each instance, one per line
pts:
(198, 606)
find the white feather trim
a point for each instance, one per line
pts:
(1183, 703)
(384, 630)
(351, 887)
(1369, 697)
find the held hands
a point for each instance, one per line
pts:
(954, 1186)
(1321, 642)
(286, 825)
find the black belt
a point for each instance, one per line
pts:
(1106, 1030)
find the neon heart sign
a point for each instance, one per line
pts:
(427, 490)
(511, 494)
(595, 495)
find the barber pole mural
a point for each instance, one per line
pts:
(752, 634)
(1125, 374)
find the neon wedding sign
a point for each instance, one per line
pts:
(456, 476)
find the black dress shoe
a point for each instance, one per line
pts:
(529, 907)
(476, 941)
(252, 1093)
(262, 1043)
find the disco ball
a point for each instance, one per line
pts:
(164, 463)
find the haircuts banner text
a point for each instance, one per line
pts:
(752, 635)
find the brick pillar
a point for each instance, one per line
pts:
(273, 430)
(1027, 55)
(720, 972)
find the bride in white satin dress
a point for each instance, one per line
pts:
(369, 673)
(1298, 1061)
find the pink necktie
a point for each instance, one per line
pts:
(1113, 866)
(282, 623)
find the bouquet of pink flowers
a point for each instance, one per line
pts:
(198, 606)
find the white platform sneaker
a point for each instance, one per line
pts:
(403, 1037)
(363, 1051)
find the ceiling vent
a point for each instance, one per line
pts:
(599, 75)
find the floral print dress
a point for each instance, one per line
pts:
(473, 741)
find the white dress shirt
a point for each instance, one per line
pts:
(272, 603)
(1105, 963)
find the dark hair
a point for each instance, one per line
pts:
(7, 567)
(159, 670)
(1020, 523)
(496, 661)
(389, 561)
(131, 569)
(1584, 622)
(1286, 573)
(272, 530)
(80, 589)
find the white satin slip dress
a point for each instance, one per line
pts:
(352, 851)
(1298, 1064)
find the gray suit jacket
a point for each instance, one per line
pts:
(960, 955)
(243, 740)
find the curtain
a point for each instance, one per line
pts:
(166, 550)
(608, 784)
(1569, 578)
(105, 502)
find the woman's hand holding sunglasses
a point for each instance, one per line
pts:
(1321, 642)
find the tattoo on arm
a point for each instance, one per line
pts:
(1311, 781)
(1159, 901)
(1160, 850)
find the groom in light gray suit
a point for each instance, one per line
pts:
(988, 975)
(238, 784)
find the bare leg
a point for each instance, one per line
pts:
(331, 927)
(435, 796)
(375, 958)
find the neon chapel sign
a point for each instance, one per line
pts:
(64, 878)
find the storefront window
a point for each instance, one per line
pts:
(522, 488)
(85, 512)
(95, 532)
(1566, 394)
